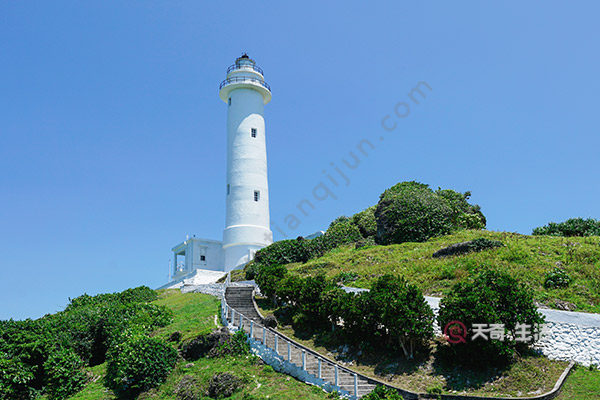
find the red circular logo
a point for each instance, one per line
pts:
(456, 332)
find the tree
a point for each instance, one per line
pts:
(268, 278)
(490, 297)
(412, 212)
(570, 227)
(365, 221)
(403, 312)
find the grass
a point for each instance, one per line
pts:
(530, 374)
(582, 383)
(194, 314)
(528, 258)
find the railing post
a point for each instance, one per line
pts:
(355, 386)
(303, 360)
(336, 375)
(289, 351)
(251, 329)
(320, 374)
(276, 344)
(265, 336)
(241, 321)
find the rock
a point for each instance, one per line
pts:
(564, 305)
(467, 247)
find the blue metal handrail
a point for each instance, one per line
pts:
(244, 79)
(240, 66)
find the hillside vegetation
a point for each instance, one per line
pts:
(187, 317)
(529, 258)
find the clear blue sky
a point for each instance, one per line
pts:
(112, 135)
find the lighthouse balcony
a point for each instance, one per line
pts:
(245, 66)
(245, 79)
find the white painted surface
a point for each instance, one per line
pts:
(247, 220)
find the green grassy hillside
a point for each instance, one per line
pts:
(528, 258)
(195, 314)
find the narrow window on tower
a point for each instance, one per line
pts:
(256, 195)
(253, 132)
(229, 101)
(202, 258)
(228, 189)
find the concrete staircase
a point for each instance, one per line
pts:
(240, 298)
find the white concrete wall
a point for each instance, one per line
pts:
(212, 251)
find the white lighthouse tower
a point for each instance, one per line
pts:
(245, 92)
(247, 200)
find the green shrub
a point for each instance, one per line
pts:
(365, 221)
(138, 363)
(341, 219)
(400, 312)
(288, 289)
(336, 235)
(268, 279)
(570, 227)
(467, 216)
(412, 212)
(557, 278)
(141, 294)
(383, 393)
(238, 345)
(333, 303)
(489, 297)
(283, 252)
(16, 379)
(251, 270)
(65, 374)
(309, 301)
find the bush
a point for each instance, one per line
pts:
(412, 212)
(400, 312)
(16, 379)
(570, 227)
(490, 297)
(238, 345)
(283, 252)
(223, 385)
(336, 235)
(310, 298)
(65, 374)
(138, 363)
(268, 279)
(383, 393)
(365, 221)
(271, 321)
(557, 278)
(251, 270)
(288, 289)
